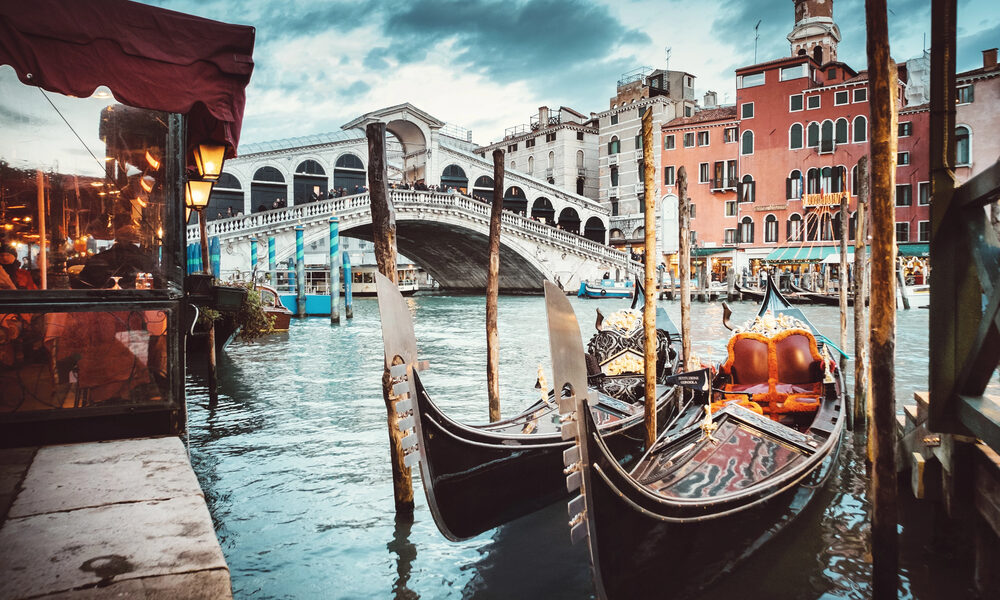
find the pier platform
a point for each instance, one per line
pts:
(116, 519)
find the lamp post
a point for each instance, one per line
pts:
(196, 195)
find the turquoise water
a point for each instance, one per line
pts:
(294, 462)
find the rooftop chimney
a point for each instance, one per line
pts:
(543, 116)
(989, 58)
(711, 99)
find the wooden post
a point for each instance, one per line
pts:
(844, 221)
(901, 283)
(684, 264)
(493, 290)
(300, 272)
(272, 263)
(649, 281)
(384, 236)
(348, 294)
(213, 379)
(43, 263)
(883, 91)
(861, 399)
(334, 270)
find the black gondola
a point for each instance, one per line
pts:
(712, 491)
(477, 477)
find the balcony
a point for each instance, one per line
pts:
(723, 185)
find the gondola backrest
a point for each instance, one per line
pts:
(798, 358)
(748, 360)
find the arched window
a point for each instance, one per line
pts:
(793, 231)
(541, 210)
(818, 54)
(812, 226)
(770, 229)
(579, 159)
(860, 129)
(963, 145)
(852, 225)
(841, 131)
(747, 189)
(349, 174)
(454, 176)
(836, 225)
(614, 176)
(839, 183)
(793, 187)
(269, 174)
(614, 146)
(579, 186)
(795, 136)
(531, 165)
(812, 135)
(228, 181)
(812, 181)
(552, 161)
(826, 137)
(826, 180)
(310, 167)
(746, 230)
(513, 165)
(569, 220)
(746, 145)
(854, 180)
(825, 227)
(349, 161)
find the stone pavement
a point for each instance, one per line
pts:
(118, 519)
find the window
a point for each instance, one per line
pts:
(860, 129)
(614, 119)
(668, 175)
(513, 165)
(854, 180)
(614, 207)
(812, 135)
(730, 236)
(746, 110)
(746, 230)
(531, 165)
(579, 159)
(579, 136)
(812, 181)
(793, 185)
(614, 176)
(902, 232)
(831, 74)
(841, 97)
(551, 162)
(752, 80)
(812, 226)
(905, 129)
(812, 102)
(793, 231)
(529, 143)
(550, 137)
(718, 175)
(729, 135)
(638, 142)
(923, 231)
(731, 174)
(826, 137)
(795, 136)
(668, 142)
(964, 94)
(840, 136)
(902, 159)
(962, 145)
(731, 209)
(689, 140)
(702, 138)
(746, 190)
(795, 103)
(689, 81)
(826, 180)
(703, 173)
(861, 95)
(615, 145)
(793, 72)
(770, 229)
(924, 193)
(746, 147)
(512, 148)
(904, 195)
(688, 111)
(826, 227)
(642, 111)
(693, 212)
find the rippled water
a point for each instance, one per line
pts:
(294, 462)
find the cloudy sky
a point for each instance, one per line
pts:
(489, 64)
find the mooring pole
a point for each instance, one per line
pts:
(334, 270)
(861, 397)
(883, 91)
(348, 297)
(844, 221)
(215, 256)
(272, 263)
(253, 257)
(649, 308)
(493, 290)
(684, 264)
(384, 236)
(300, 271)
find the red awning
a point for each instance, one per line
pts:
(149, 57)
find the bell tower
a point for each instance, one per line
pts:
(815, 34)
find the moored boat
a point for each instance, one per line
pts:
(477, 477)
(273, 308)
(363, 280)
(605, 288)
(711, 490)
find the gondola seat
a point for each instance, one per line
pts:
(783, 373)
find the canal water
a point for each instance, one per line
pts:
(294, 462)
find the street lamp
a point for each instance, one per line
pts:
(209, 158)
(196, 195)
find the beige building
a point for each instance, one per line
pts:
(977, 118)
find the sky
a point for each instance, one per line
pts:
(486, 65)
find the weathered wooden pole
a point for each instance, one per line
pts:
(684, 264)
(334, 270)
(649, 281)
(300, 272)
(493, 291)
(384, 236)
(844, 221)
(861, 398)
(883, 91)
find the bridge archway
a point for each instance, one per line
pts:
(594, 230)
(569, 220)
(309, 182)
(483, 188)
(454, 176)
(268, 185)
(227, 195)
(515, 201)
(541, 209)
(349, 172)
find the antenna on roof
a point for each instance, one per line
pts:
(756, 36)
(666, 57)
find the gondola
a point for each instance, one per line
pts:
(708, 493)
(821, 297)
(477, 477)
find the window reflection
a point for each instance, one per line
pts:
(58, 360)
